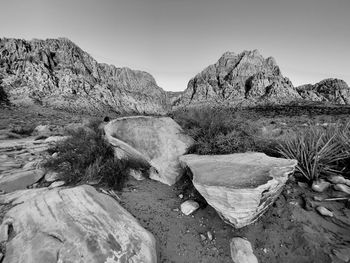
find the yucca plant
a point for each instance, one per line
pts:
(319, 151)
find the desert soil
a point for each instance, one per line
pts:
(290, 231)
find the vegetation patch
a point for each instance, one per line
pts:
(320, 151)
(86, 156)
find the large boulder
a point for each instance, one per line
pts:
(72, 225)
(157, 141)
(240, 187)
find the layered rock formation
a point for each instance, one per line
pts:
(239, 79)
(72, 225)
(57, 73)
(155, 141)
(328, 90)
(240, 187)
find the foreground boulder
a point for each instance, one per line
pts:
(157, 141)
(242, 251)
(72, 225)
(239, 186)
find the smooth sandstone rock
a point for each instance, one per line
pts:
(13, 181)
(240, 187)
(73, 225)
(242, 251)
(188, 207)
(154, 141)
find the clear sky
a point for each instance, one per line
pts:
(175, 39)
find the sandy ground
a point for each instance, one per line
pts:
(286, 233)
(290, 231)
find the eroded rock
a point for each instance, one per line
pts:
(154, 141)
(240, 187)
(242, 251)
(73, 225)
(320, 185)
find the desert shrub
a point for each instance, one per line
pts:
(222, 131)
(86, 156)
(26, 129)
(320, 151)
(3, 96)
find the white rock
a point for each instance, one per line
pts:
(324, 211)
(240, 187)
(339, 180)
(137, 174)
(56, 184)
(242, 251)
(51, 176)
(73, 225)
(154, 141)
(189, 206)
(210, 235)
(342, 187)
(320, 185)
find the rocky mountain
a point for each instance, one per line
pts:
(328, 90)
(57, 73)
(239, 79)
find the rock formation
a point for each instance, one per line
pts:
(241, 186)
(72, 225)
(57, 73)
(328, 90)
(150, 140)
(239, 79)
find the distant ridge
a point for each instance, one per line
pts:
(248, 79)
(57, 73)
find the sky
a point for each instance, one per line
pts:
(176, 39)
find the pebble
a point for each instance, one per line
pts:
(343, 188)
(210, 236)
(324, 211)
(203, 237)
(189, 206)
(181, 196)
(320, 185)
(56, 184)
(339, 180)
(242, 251)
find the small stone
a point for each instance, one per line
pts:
(51, 176)
(339, 180)
(303, 185)
(54, 155)
(56, 184)
(318, 198)
(320, 185)
(210, 236)
(203, 237)
(189, 206)
(181, 196)
(176, 209)
(242, 251)
(324, 211)
(343, 188)
(136, 174)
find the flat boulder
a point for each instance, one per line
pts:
(241, 186)
(72, 225)
(157, 141)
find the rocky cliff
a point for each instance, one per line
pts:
(239, 79)
(57, 73)
(328, 90)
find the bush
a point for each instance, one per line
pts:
(222, 131)
(320, 152)
(86, 156)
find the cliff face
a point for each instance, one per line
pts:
(328, 90)
(239, 79)
(57, 73)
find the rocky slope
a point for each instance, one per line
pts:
(57, 73)
(239, 79)
(327, 90)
